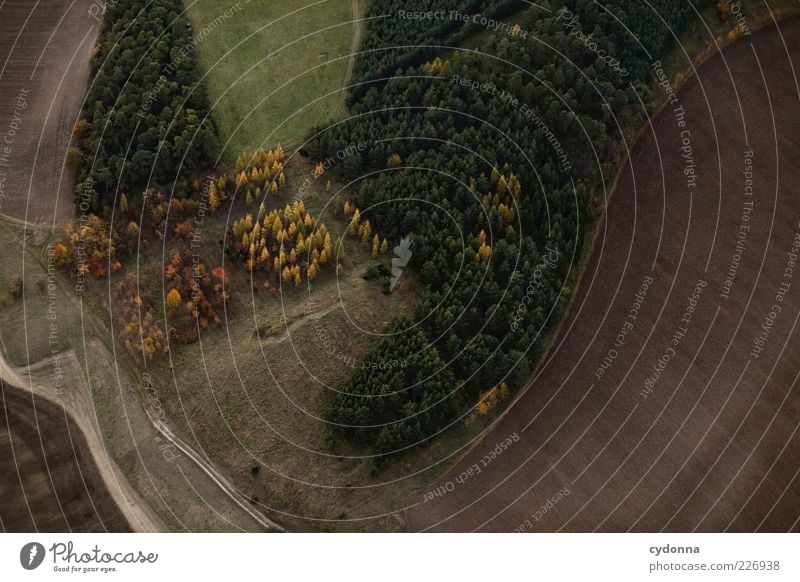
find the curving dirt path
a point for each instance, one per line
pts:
(271, 338)
(24, 387)
(216, 476)
(692, 425)
(49, 484)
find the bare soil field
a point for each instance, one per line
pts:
(669, 400)
(50, 481)
(44, 68)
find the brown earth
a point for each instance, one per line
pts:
(49, 480)
(714, 446)
(45, 48)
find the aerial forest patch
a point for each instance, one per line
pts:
(145, 120)
(490, 158)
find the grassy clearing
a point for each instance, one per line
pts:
(256, 391)
(254, 395)
(248, 394)
(24, 325)
(46, 322)
(252, 49)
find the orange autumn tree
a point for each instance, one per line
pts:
(487, 401)
(88, 247)
(142, 332)
(174, 299)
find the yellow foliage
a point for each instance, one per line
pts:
(174, 299)
(487, 401)
(354, 223)
(376, 243)
(483, 254)
(366, 232)
(60, 253)
(437, 67)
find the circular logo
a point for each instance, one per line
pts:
(31, 555)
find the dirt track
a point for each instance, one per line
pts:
(61, 447)
(50, 483)
(45, 48)
(710, 442)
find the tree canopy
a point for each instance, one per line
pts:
(488, 156)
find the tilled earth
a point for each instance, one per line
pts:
(679, 414)
(45, 48)
(49, 480)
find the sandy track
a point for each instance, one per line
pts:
(215, 475)
(50, 483)
(79, 407)
(45, 48)
(712, 445)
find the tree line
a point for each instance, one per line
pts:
(474, 173)
(145, 120)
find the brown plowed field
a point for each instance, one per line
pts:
(713, 445)
(49, 479)
(45, 48)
